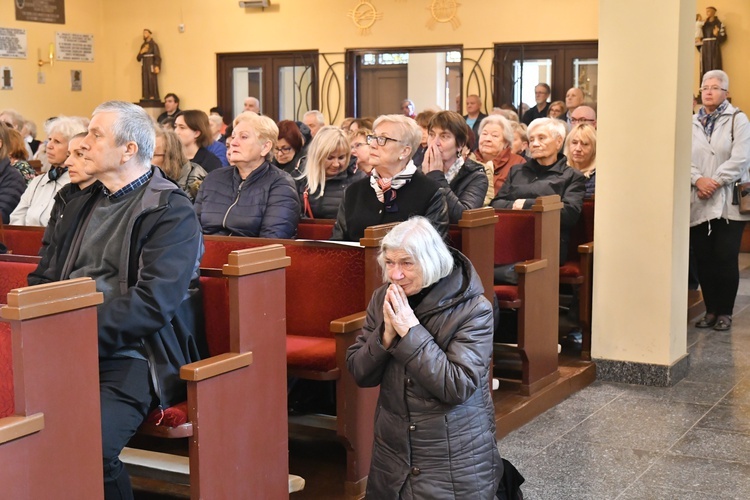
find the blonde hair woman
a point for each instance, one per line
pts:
(326, 174)
(169, 156)
(580, 150)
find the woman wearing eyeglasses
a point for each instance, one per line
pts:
(721, 153)
(396, 190)
(251, 198)
(464, 181)
(288, 151)
(326, 174)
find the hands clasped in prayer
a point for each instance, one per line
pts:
(397, 314)
(706, 187)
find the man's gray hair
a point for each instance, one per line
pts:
(719, 75)
(131, 124)
(422, 243)
(15, 117)
(410, 132)
(497, 120)
(552, 125)
(317, 114)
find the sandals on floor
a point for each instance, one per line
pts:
(708, 321)
(723, 323)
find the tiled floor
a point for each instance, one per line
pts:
(626, 442)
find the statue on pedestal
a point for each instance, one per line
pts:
(150, 65)
(713, 34)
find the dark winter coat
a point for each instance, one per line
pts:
(160, 304)
(466, 191)
(435, 420)
(326, 206)
(362, 209)
(530, 180)
(12, 186)
(264, 205)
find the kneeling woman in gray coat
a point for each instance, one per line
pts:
(427, 342)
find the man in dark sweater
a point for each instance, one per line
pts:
(138, 237)
(541, 95)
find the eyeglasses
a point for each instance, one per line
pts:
(581, 120)
(380, 139)
(714, 88)
(285, 149)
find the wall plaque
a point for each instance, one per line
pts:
(41, 11)
(74, 47)
(13, 43)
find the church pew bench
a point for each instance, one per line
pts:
(235, 417)
(50, 430)
(578, 271)
(329, 286)
(22, 240)
(531, 238)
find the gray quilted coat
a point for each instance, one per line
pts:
(434, 424)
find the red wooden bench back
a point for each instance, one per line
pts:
(514, 236)
(583, 231)
(315, 229)
(23, 240)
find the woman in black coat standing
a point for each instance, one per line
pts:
(427, 343)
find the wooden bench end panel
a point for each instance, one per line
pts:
(52, 298)
(16, 427)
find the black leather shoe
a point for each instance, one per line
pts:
(708, 321)
(723, 324)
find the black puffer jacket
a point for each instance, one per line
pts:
(159, 301)
(264, 205)
(466, 191)
(435, 421)
(12, 186)
(326, 206)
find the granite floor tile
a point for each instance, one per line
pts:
(733, 418)
(640, 492)
(716, 444)
(719, 351)
(581, 471)
(685, 391)
(709, 372)
(715, 478)
(739, 395)
(645, 424)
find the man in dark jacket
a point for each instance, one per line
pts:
(137, 236)
(474, 115)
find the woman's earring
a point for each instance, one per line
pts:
(400, 157)
(458, 153)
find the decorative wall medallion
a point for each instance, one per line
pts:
(444, 11)
(364, 16)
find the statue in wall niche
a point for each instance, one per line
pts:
(712, 35)
(150, 60)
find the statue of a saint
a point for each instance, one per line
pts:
(714, 34)
(150, 65)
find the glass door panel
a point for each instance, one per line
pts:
(528, 74)
(246, 82)
(586, 77)
(295, 88)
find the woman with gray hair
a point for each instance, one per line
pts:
(427, 342)
(495, 143)
(396, 190)
(721, 154)
(39, 198)
(546, 173)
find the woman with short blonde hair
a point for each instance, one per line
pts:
(580, 150)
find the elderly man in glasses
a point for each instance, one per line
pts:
(583, 114)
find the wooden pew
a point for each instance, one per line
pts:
(315, 229)
(22, 240)
(50, 431)
(236, 419)
(328, 288)
(532, 238)
(579, 271)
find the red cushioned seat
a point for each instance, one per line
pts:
(174, 416)
(7, 403)
(507, 296)
(307, 230)
(571, 269)
(310, 353)
(14, 276)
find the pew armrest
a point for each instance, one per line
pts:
(349, 323)
(530, 266)
(17, 426)
(215, 365)
(586, 247)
